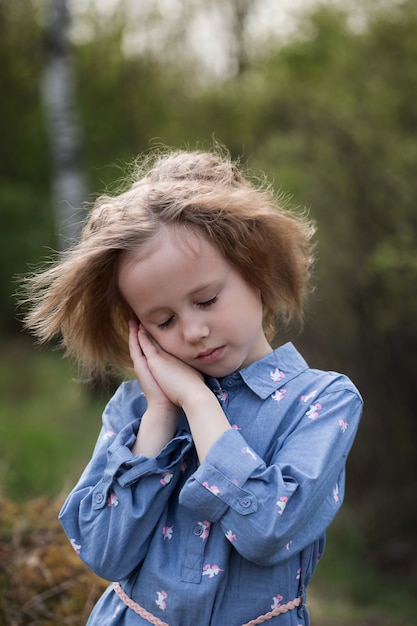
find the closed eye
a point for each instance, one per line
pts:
(208, 302)
(202, 305)
(165, 324)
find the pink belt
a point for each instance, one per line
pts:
(282, 608)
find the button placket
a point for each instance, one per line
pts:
(192, 564)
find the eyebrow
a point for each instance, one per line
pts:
(192, 293)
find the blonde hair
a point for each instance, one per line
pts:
(77, 298)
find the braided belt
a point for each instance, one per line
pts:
(131, 604)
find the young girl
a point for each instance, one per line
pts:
(217, 470)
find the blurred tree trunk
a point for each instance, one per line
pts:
(240, 11)
(236, 15)
(69, 186)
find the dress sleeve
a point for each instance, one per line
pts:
(110, 514)
(270, 511)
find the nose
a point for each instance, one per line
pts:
(194, 329)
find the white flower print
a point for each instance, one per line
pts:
(309, 396)
(113, 500)
(276, 601)
(205, 529)
(211, 570)
(313, 411)
(221, 395)
(161, 596)
(343, 425)
(213, 488)
(277, 375)
(166, 478)
(167, 532)
(76, 546)
(278, 395)
(281, 504)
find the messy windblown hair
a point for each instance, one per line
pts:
(77, 298)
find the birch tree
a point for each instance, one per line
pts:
(68, 180)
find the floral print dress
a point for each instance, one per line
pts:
(221, 543)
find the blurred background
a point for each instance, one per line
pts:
(319, 97)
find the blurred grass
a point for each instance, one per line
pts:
(48, 421)
(48, 427)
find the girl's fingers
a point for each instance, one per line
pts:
(146, 342)
(141, 346)
(135, 348)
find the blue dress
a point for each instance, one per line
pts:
(221, 543)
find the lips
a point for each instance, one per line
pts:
(208, 356)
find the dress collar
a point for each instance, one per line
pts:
(268, 374)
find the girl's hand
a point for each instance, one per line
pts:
(155, 397)
(183, 386)
(174, 378)
(160, 420)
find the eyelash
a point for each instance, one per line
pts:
(208, 302)
(165, 324)
(203, 305)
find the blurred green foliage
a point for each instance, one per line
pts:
(48, 422)
(331, 117)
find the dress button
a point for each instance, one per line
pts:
(245, 502)
(198, 530)
(98, 498)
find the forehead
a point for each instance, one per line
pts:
(174, 241)
(176, 262)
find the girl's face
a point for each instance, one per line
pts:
(195, 304)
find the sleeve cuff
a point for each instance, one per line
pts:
(126, 468)
(219, 481)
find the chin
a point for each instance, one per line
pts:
(222, 371)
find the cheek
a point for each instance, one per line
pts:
(167, 340)
(256, 303)
(249, 307)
